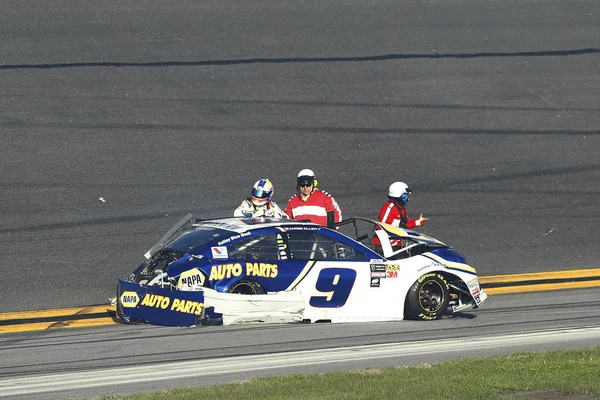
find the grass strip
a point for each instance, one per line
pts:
(572, 374)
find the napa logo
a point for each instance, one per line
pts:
(130, 299)
(191, 280)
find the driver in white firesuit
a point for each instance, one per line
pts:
(261, 203)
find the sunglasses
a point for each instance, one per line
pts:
(306, 184)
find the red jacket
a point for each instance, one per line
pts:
(315, 208)
(394, 213)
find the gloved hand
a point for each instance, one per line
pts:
(258, 214)
(420, 221)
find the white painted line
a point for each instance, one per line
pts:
(186, 369)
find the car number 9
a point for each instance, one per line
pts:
(337, 283)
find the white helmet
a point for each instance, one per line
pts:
(306, 172)
(399, 190)
(306, 176)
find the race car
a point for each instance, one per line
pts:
(235, 270)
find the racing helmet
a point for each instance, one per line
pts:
(400, 191)
(306, 177)
(262, 192)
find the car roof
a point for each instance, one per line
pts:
(239, 225)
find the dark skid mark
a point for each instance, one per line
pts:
(91, 222)
(558, 171)
(289, 60)
(196, 129)
(299, 103)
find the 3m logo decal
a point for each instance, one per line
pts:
(391, 274)
(129, 299)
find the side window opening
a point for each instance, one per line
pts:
(307, 245)
(262, 247)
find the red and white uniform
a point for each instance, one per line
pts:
(315, 207)
(394, 213)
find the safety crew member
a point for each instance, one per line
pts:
(311, 203)
(394, 211)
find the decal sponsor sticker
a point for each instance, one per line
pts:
(378, 274)
(159, 306)
(302, 228)
(129, 299)
(378, 267)
(264, 270)
(281, 247)
(431, 265)
(178, 305)
(191, 280)
(392, 267)
(219, 252)
(234, 237)
(473, 283)
(375, 282)
(391, 274)
(260, 269)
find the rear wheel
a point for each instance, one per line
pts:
(428, 298)
(246, 286)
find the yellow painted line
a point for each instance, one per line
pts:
(542, 287)
(41, 326)
(577, 273)
(57, 312)
(77, 312)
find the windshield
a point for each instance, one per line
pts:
(191, 237)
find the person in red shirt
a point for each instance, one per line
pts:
(311, 203)
(394, 211)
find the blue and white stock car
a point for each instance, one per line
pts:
(235, 270)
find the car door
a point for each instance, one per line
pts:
(341, 284)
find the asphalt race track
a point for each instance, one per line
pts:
(122, 359)
(489, 110)
(118, 118)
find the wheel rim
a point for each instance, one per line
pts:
(431, 296)
(243, 288)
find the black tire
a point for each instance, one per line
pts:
(428, 298)
(246, 286)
